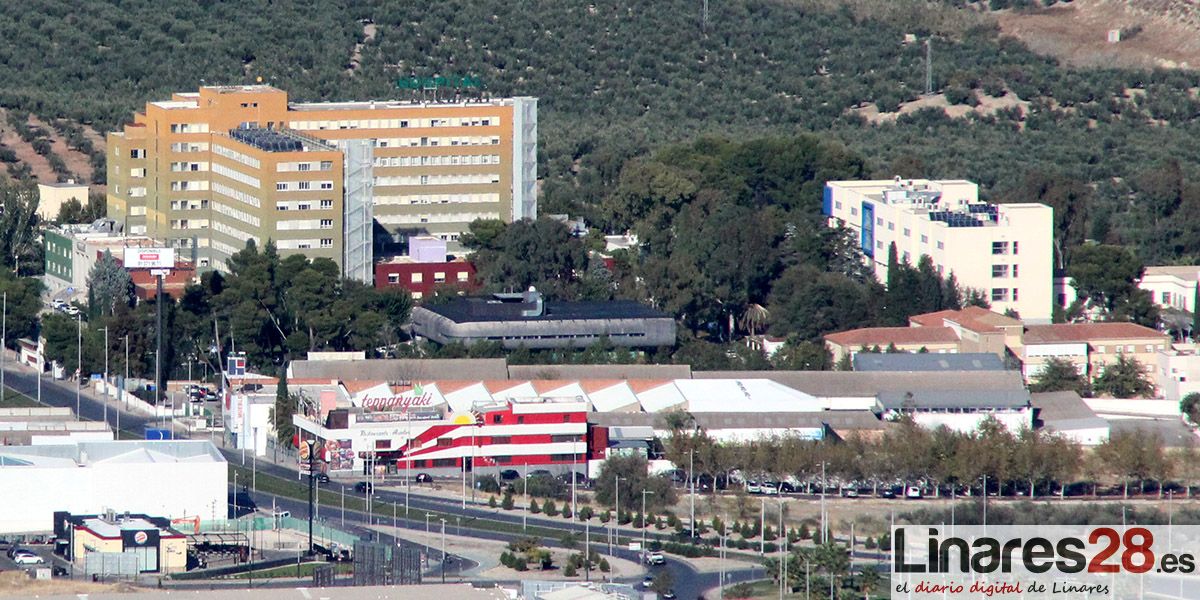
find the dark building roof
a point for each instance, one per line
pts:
(938, 399)
(397, 369)
(902, 361)
(1064, 411)
(523, 307)
(589, 372)
(833, 384)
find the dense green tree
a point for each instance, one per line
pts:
(109, 285)
(1125, 378)
(1190, 407)
(1106, 275)
(1059, 375)
(632, 470)
(540, 253)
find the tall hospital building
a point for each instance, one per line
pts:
(206, 171)
(1004, 250)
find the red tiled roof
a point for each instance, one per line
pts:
(642, 385)
(1088, 332)
(357, 386)
(592, 386)
(882, 336)
(449, 387)
(973, 318)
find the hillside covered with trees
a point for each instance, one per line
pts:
(645, 115)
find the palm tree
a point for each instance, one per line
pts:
(756, 316)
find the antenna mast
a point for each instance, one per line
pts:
(928, 66)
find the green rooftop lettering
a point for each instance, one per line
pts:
(433, 83)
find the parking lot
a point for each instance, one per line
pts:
(43, 550)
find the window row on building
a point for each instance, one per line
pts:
(301, 224)
(431, 218)
(238, 195)
(396, 123)
(437, 161)
(232, 154)
(456, 179)
(302, 186)
(240, 215)
(288, 167)
(236, 175)
(435, 199)
(305, 244)
(326, 204)
(418, 142)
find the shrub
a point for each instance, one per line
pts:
(770, 548)
(870, 543)
(569, 570)
(605, 516)
(550, 508)
(521, 564)
(506, 559)
(492, 502)
(534, 508)
(566, 511)
(586, 513)
(507, 502)
(604, 568)
(673, 522)
(742, 544)
(659, 525)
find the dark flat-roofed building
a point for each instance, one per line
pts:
(904, 361)
(1067, 414)
(528, 320)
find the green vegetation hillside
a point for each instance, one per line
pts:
(631, 91)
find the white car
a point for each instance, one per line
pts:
(769, 488)
(912, 492)
(656, 558)
(27, 558)
(752, 487)
(57, 303)
(72, 310)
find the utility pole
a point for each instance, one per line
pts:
(928, 66)
(443, 550)
(78, 360)
(311, 480)
(158, 351)
(704, 18)
(3, 343)
(106, 380)
(692, 481)
(644, 492)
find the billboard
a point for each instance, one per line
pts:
(339, 454)
(149, 258)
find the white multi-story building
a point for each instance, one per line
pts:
(1005, 250)
(1171, 287)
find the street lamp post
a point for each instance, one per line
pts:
(616, 522)
(78, 360)
(644, 492)
(106, 379)
(443, 550)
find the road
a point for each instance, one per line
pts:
(688, 582)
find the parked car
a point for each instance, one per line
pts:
(281, 514)
(322, 477)
(850, 493)
(424, 478)
(656, 558)
(364, 487)
(912, 492)
(71, 310)
(887, 493)
(540, 473)
(769, 488)
(648, 582)
(508, 475)
(25, 557)
(57, 303)
(669, 595)
(786, 488)
(752, 487)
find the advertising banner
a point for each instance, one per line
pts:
(1035, 561)
(149, 258)
(339, 455)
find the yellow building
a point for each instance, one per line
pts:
(112, 542)
(206, 171)
(51, 197)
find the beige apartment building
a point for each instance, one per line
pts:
(1004, 250)
(209, 170)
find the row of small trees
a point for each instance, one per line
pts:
(1029, 461)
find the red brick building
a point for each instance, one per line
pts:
(420, 278)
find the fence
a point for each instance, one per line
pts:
(322, 534)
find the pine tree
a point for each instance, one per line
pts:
(285, 407)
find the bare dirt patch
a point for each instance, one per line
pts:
(987, 105)
(38, 165)
(79, 163)
(17, 584)
(1167, 32)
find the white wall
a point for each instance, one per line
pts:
(1087, 437)
(1135, 406)
(30, 496)
(968, 422)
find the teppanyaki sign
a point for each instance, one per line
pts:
(402, 402)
